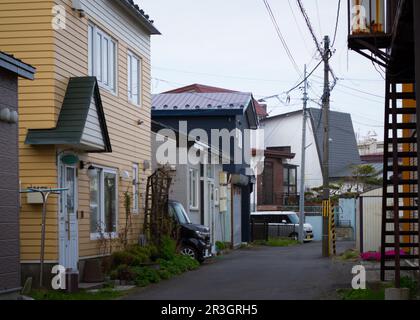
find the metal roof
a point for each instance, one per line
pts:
(17, 66)
(344, 152)
(140, 15)
(73, 117)
(202, 101)
(343, 146)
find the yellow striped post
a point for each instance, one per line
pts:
(326, 213)
(333, 236)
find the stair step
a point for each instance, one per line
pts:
(405, 126)
(409, 154)
(402, 168)
(403, 208)
(403, 140)
(403, 195)
(402, 245)
(405, 96)
(403, 220)
(405, 257)
(404, 268)
(402, 182)
(405, 110)
(403, 233)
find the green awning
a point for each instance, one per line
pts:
(81, 123)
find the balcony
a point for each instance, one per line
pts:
(370, 27)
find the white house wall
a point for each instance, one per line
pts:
(287, 131)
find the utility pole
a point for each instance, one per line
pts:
(303, 160)
(326, 207)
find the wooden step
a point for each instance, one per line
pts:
(409, 154)
(404, 126)
(405, 257)
(404, 268)
(402, 168)
(404, 111)
(402, 182)
(403, 233)
(403, 220)
(403, 140)
(403, 208)
(403, 195)
(402, 245)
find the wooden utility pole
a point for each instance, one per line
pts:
(326, 205)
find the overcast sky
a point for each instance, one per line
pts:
(233, 44)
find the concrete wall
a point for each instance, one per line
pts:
(9, 187)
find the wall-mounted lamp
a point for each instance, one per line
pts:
(91, 172)
(9, 116)
(125, 175)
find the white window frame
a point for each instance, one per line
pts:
(101, 172)
(193, 192)
(136, 189)
(96, 67)
(130, 57)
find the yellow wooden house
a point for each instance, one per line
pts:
(84, 124)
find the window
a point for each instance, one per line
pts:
(102, 57)
(193, 188)
(134, 78)
(136, 188)
(103, 202)
(290, 180)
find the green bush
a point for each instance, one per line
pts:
(168, 248)
(409, 283)
(145, 276)
(220, 246)
(134, 256)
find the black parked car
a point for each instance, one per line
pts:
(194, 238)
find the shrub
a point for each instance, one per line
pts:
(145, 275)
(168, 248)
(134, 256)
(220, 246)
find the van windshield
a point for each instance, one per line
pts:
(181, 214)
(294, 218)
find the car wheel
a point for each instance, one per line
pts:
(294, 236)
(189, 252)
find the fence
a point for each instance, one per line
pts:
(265, 230)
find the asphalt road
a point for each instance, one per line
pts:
(262, 273)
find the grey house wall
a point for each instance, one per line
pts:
(9, 188)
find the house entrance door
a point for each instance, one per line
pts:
(68, 226)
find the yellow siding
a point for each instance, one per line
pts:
(130, 142)
(25, 31)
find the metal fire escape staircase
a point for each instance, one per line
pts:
(400, 218)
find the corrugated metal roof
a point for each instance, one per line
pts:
(73, 116)
(343, 147)
(201, 88)
(202, 101)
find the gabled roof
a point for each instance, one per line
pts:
(344, 152)
(139, 15)
(81, 123)
(205, 104)
(202, 101)
(17, 66)
(201, 88)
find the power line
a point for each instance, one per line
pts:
(298, 26)
(337, 21)
(280, 35)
